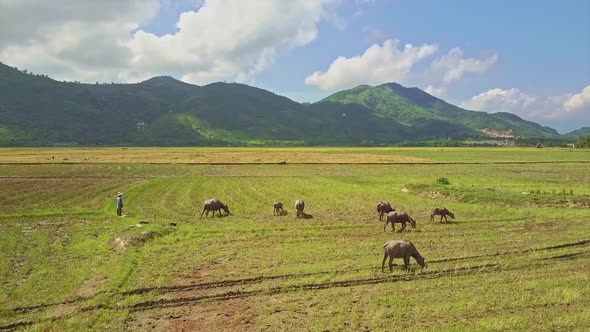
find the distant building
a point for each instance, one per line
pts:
(141, 125)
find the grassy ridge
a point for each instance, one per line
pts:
(510, 261)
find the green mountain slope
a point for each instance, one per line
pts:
(578, 132)
(36, 110)
(417, 108)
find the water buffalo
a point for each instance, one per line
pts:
(278, 208)
(384, 208)
(400, 218)
(299, 206)
(214, 205)
(400, 249)
(442, 212)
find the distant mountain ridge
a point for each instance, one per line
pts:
(578, 132)
(36, 110)
(415, 107)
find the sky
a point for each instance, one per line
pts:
(527, 57)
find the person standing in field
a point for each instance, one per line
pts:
(119, 203)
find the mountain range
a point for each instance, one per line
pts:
(36, 110)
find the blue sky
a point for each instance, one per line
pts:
(543, 46)
(531, 58)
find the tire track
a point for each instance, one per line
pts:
(165, 303)
(179, 288)
(162, 304)
(225, 296)
(567, 256)
(230, 295)
(258, 279)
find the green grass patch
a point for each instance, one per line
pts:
(515, 257)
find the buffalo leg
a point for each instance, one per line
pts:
(390, 263)
(202, 213)
(407, 262)
(383, 262)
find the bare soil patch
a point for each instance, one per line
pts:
(234, 315)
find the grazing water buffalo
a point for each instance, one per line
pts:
(278, 208)
(400, 218)
(299, 206)
(384, 208)
(400, 249)
(214, 205)
(442, 212)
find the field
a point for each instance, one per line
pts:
(516, 257)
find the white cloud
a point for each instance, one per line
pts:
(578, 101)
(453, 67)
(230, 39)
(77, 39)
(101, 40)
(499, 100)
(565, 112)
(437, 92)
(378, 64)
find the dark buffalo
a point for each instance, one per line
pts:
(400, 249)
(214, 205)
(384, 208)
(400, 217)
(442, 212)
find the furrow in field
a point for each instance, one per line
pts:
(55, 193)
(290, 276)
(231, 295)
(163, 303)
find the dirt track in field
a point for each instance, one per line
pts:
(71, 307)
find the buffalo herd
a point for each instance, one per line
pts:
(392, 249)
